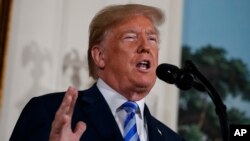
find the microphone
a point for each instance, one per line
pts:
(188, 77)
(182, 78)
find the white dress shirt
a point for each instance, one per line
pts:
(115, 100)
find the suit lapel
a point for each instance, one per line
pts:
(100, 114)
(154, 133)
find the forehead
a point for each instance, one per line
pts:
(135, 23)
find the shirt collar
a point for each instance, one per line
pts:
(115, 99)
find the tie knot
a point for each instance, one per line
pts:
(130, 106)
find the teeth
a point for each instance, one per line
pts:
(144, 62)
(143, 65)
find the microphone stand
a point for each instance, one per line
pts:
(220, 108)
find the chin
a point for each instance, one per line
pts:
(144, 87)
(147, 82)
(140, 91)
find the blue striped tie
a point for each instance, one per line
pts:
(130, 130)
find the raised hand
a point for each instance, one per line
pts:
(61, 126)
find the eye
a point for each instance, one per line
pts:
(153, 38)
(129, 37)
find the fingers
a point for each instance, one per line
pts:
(68, 103)
(64, 113)
(58, 124)
(74, 95)
(61, 126)
(80, 129)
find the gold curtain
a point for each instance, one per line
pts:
(5, 12)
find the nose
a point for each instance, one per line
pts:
(143, 46)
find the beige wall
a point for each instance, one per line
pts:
(47, 36)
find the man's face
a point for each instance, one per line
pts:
(130, 54)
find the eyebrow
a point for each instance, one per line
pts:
(148, 32)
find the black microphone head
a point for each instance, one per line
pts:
(184, 80)
(167, 73)
(173, 75)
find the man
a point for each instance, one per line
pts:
(123, 56)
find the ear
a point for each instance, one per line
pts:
(97, 53)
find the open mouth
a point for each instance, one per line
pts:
(143, 65)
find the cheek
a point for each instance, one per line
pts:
(155, 52)
(124, 53)
(118, 59)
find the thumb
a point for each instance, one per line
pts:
(80, 129)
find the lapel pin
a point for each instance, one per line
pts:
(159, 131)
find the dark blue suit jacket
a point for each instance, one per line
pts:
(34, 123)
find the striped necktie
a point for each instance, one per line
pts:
(130, 130)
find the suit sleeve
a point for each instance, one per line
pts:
(33, 124)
